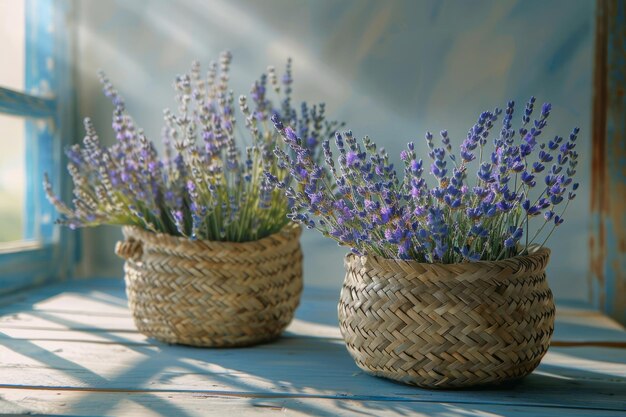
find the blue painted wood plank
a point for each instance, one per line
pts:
(29, 267)
(40, 77)
(20, 104)
(196, 404)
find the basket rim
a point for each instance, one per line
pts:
(289, 232)
(536, 260)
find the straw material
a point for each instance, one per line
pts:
(447, 326)
(206, 293)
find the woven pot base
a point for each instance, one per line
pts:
(447, 326)
(216, 294)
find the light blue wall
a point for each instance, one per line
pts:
(392, 69)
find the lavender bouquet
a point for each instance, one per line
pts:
(202, 186)
(360, 200)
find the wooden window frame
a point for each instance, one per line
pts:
(47, 252)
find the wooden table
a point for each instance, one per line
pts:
(72, 349)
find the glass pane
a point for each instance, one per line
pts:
(12, 44)
(12, 177)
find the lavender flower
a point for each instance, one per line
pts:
(204, 186)
(358, 199)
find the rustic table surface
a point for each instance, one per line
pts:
(72, 349)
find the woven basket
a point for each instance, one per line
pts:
(205, 293)
(447, 326)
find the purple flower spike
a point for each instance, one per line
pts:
(290, 135)
(351, 158)
(278, 124)
(385, 214)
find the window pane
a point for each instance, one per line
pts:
(12, 44)
(12, 177)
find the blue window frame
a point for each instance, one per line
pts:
(47, 252)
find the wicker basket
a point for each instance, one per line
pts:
(205, 293)
(447, 326)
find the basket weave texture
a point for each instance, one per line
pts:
(206, 293)
(447, 326)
